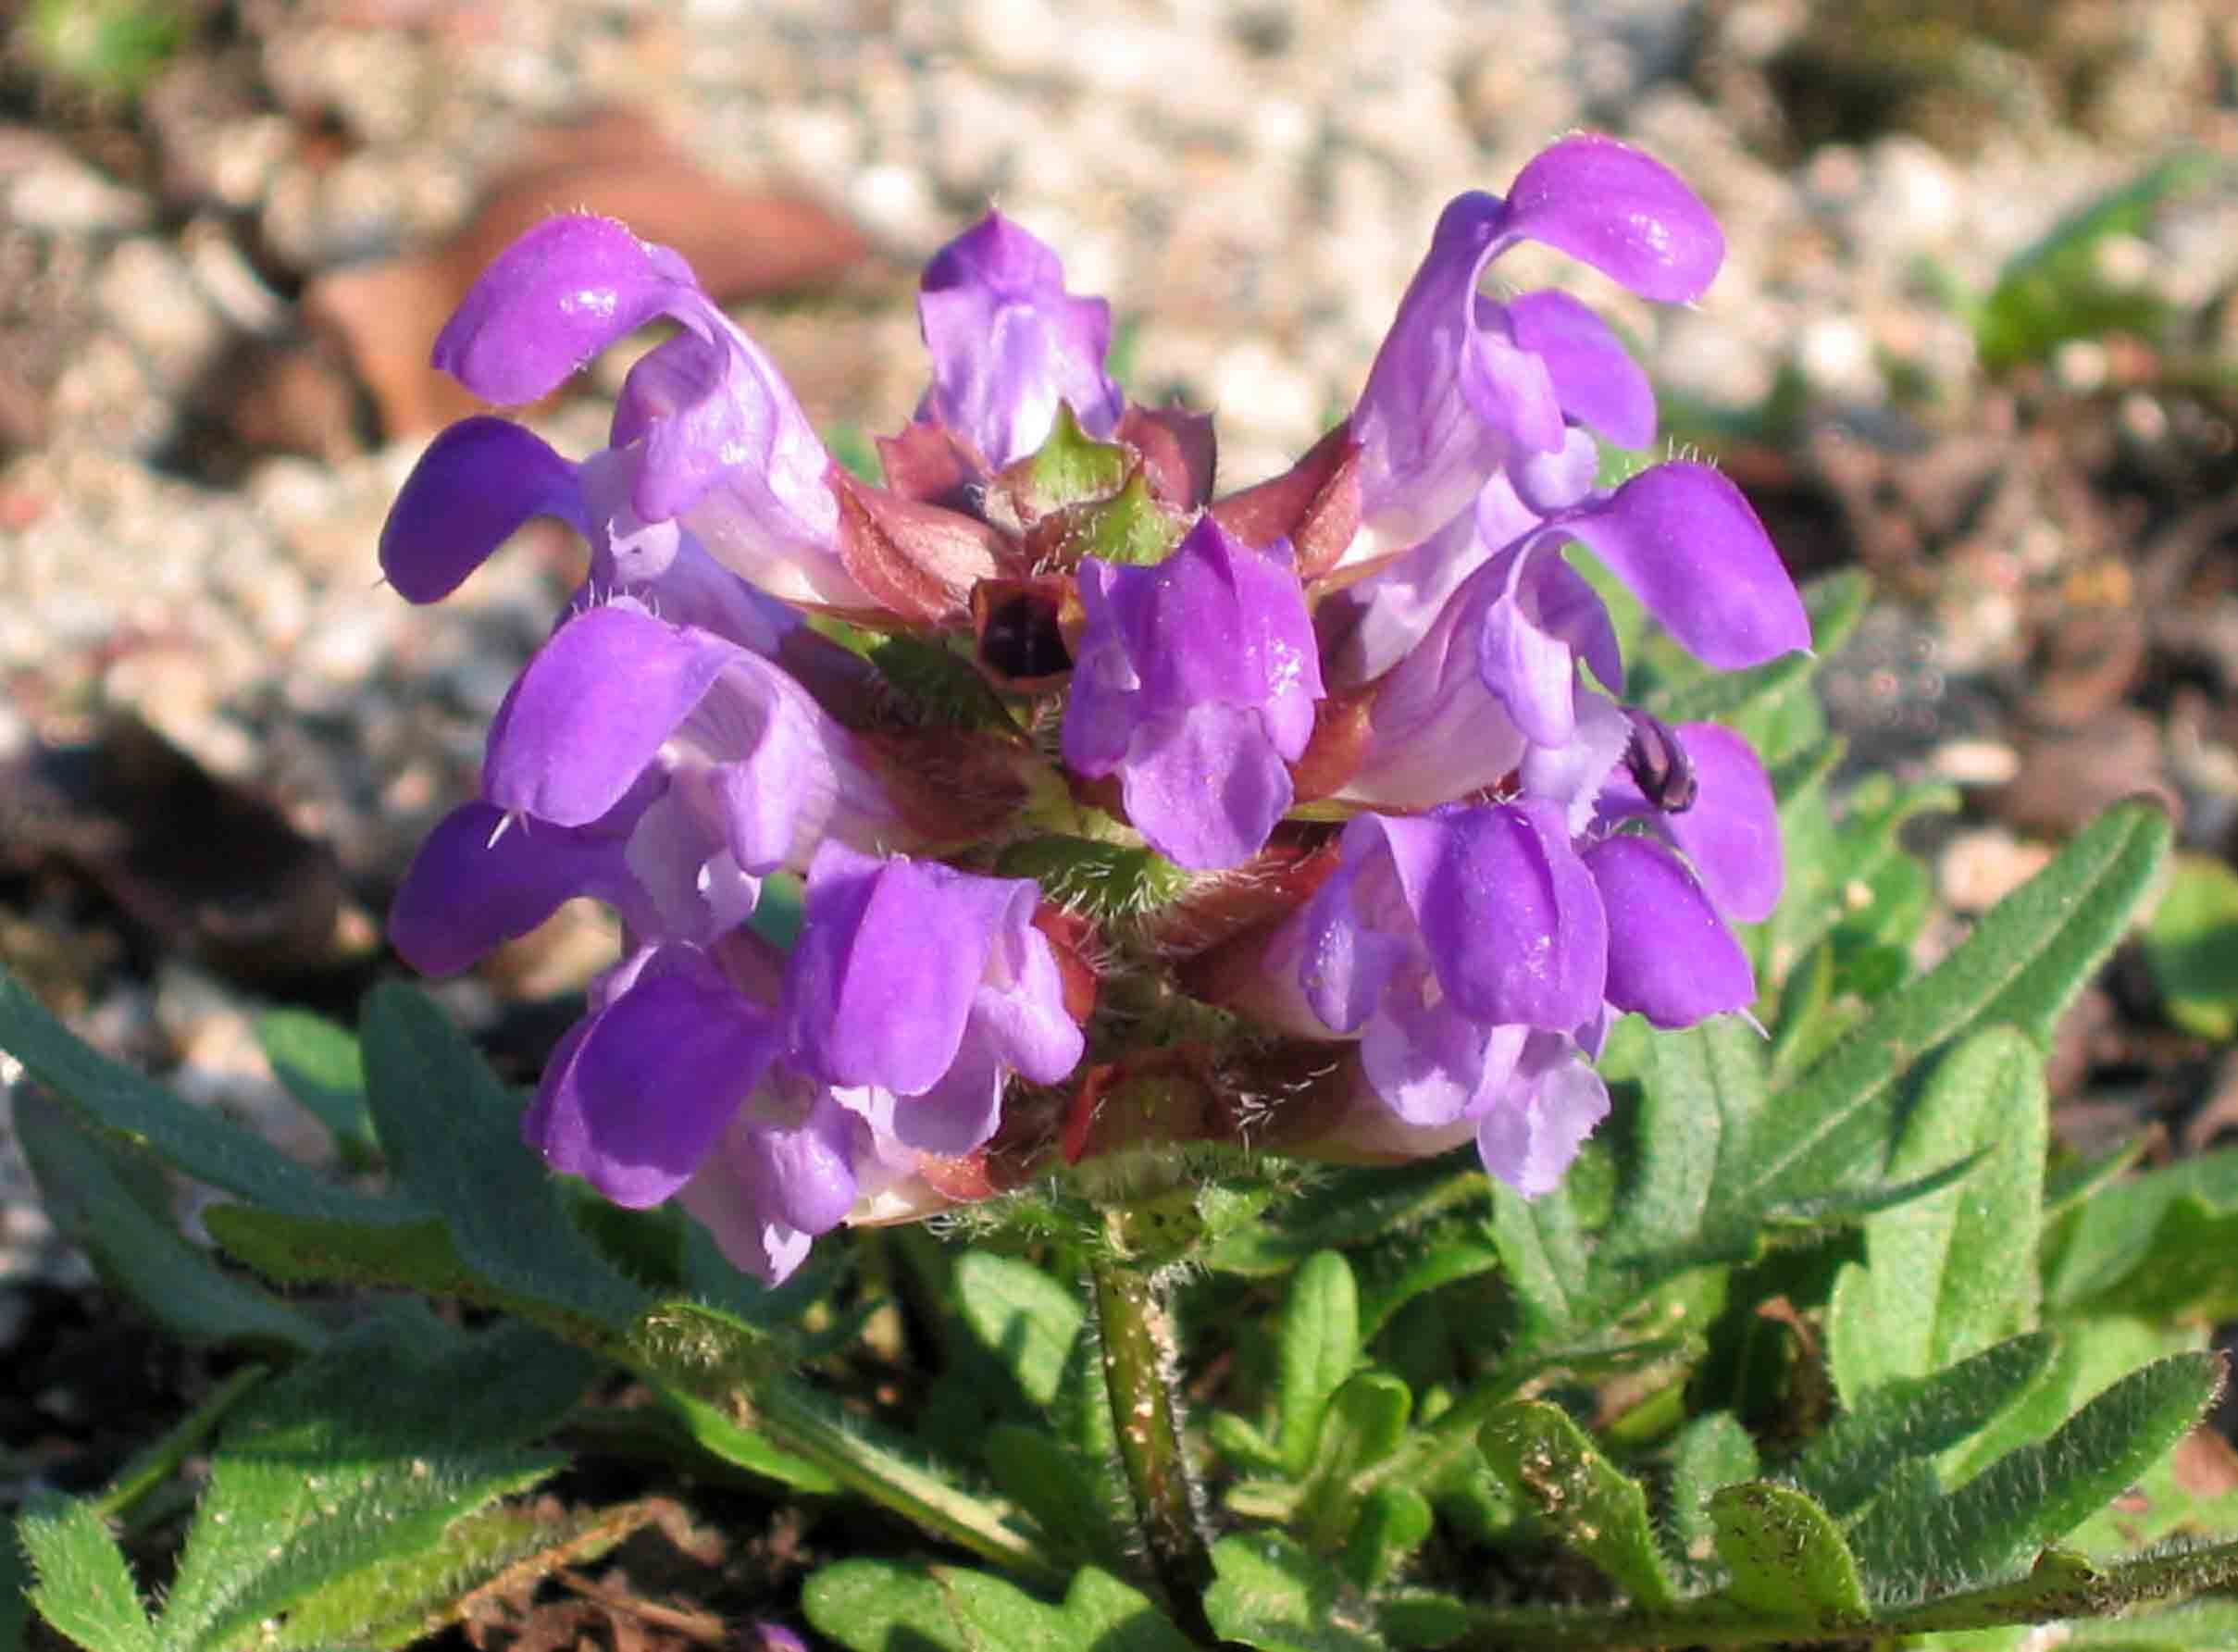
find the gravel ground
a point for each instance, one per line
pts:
(192, 474)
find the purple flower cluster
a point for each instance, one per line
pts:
(1365, 716)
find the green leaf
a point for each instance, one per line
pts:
(406, 1599)
(1344, 1209)
(1394, 1522)
(1392, 1281)
(1053, 1484)
(85, 1589)
(1272, 1595)
(1701, 1095)
(886, 1606)
(2192, 947)
(2157, 1244)
(1021, 1316)
(1912, 1548)
(2023, 963)
(1315, 1350)
(1363, 1424)
(1543, 1253)
(1712, 1452)
(360, 1459)
(452, 1135)
(113, 1200)
(1594, 1507)
(2092, 1355)
(1948, 1274)
(1785, 1554)
(1920, 1416)
(190, 1140)
(321, 1066)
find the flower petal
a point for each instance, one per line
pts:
(1731, 836)
(592, 708)
(1628, 216)
(476, 484)
(473, 885)
(1007, 343)
(1529, 1139)
(551, 301)
(1206, 787)
(647, 1089)
(1599, 384)
(1512, 919)
(1686, 542)
(1431, 1064)
(1669, 956)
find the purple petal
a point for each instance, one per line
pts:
(472, 887)
(593, 708)
(647, 1089)
(473, 488)
(1007, 343)
(1571, 609)
(1511, 918)
(1553, 1103)
(551, 301)
(1629, 217)
(957, 1114)
(1571, 776)
(709, 407)
(1206, 787)
(1431, 1064)
(1686, 542)
(1669, 956)
(888, 964)
(1449, 394)
(1524, 667)
(1599, 384)
(1357, 929)
(1731, 836)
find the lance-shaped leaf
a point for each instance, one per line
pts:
(2159, 1244)
(114, 1202)
(2027, 958)
(1913, 1545)
(1272, 1595)
(1950, 1273)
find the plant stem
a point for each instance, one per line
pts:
(1137, 1334)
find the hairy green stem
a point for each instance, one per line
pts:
(1137, 1336)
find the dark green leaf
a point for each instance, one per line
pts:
(452, 1135)
(1394, 1522)
(190, 1140)
(886, 1606)
(1363, 1424)
(1049, 1480)
(101, 1197)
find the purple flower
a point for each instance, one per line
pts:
(775, 1104)
(1007, 343)
(1463, 385)
(925, 988)
(1729, 827)
(715, 437)
(1195, 680)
